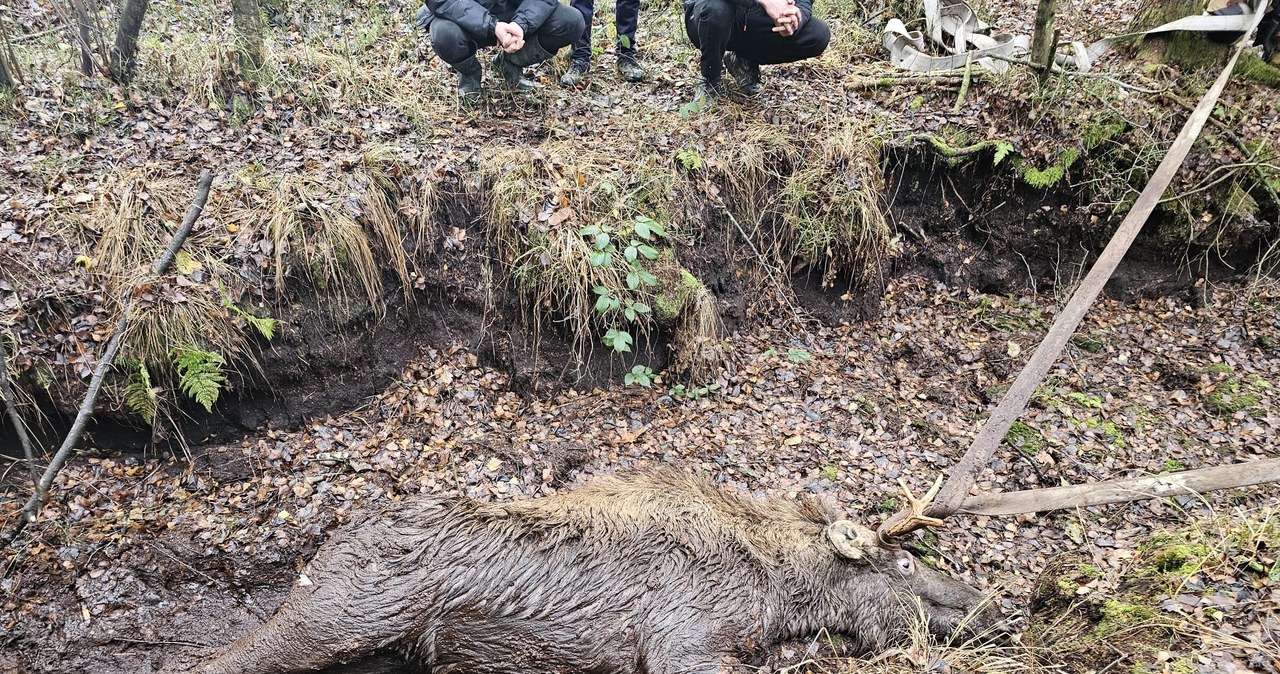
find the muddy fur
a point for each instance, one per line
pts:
(655, 572)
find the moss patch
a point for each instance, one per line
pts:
(1251, 67)
(1025, 439)
(1226, 393)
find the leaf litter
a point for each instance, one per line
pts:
(867, 404)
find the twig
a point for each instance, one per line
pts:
(1077, 73)
(964, 85)
(32, 508)
(948, 78)
(11, 404)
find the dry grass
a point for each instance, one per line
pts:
(337, 228)
(832, 208)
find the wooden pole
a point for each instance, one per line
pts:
(1185, 483)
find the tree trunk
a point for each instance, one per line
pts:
(81, 15)
(126, 47)
(1042, 39)
(248, 20)
(8, 76)
(1190, 50)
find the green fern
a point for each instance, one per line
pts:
(265, 325)
(1003, 147)
(200, 375)
(139, 395)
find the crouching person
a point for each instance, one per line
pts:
(742, 35)
(527, 32)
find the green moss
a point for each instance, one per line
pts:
(830, 473)
(1110, 431)
(1087, 343)
(916, 103)
(890, 505)
(1097, 134)
(1251, 67)
(1231, 394)
(1173, 466)
(1026, 439)
(1239, 203)
(1179, 560)
(1048, 176)
(1089, 571)
(1118, 616)
(676, 288)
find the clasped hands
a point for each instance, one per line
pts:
(786, 16)
(510, 36)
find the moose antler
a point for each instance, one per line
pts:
(912, 517)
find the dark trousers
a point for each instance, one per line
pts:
(626, 17)
(455, 45)
(717, 26)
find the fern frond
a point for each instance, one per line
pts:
(200, 375)
(139, 395)
(265, 325)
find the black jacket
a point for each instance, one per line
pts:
(479, 17)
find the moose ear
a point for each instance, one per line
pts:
(851, 541)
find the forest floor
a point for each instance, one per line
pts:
(993, 200)
(139, 558)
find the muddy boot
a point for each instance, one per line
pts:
(705, 95)
(512, 65)
(470, 76)
(747, 73)
(577, 72)
(629, 68)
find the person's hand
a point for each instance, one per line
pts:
(790, 20)
(789, 23)
(510, 36)
(786, 16)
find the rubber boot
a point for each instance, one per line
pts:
(512, 65)
(470, 78)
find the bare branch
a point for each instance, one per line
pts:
(11, 404)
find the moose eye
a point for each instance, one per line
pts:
(906, 565)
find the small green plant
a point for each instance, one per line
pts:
(200, 374)
(680, 392)
(265, 325)
(605, 241)
(640, 374)
(618, 340)
(798, 355)
(689, 159)
(830, 473)
(1003, 148)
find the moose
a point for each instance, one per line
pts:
(656, 572)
